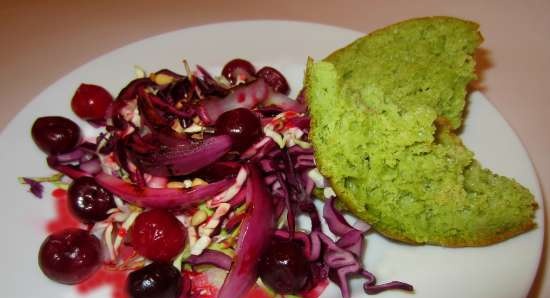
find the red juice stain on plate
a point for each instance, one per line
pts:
(317, 290)
(116, 280)
(260, 292)
(64, 219)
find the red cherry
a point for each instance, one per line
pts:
(156, 280)
(158, 235)
(90, 102)
(275, 79)
(88, 201)
(284, 268)
(238, 70)
(70, 256)
(55, 134)
(242, 125)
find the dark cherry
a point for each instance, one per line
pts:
(88, 201)
(275, 79)
(283, 267)
(90, 102)
(70, 256)
(238, 70)
(158, 235)
(156, 280)
(55, 134)
(242, 125)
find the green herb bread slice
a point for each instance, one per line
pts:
(383, 112)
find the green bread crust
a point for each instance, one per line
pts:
(384, 110)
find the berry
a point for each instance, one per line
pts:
(238, 70)
(158, 235)
(70, 256)
(55, 134)
(274, 79)
(156, 280)
(91, 102)
(242, 125)
(284, 268)
(88, 201)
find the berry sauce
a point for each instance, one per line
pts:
(64, 218)
(116, 280)
(317, 290)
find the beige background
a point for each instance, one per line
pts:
(42, 41)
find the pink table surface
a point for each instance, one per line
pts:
(44, 40)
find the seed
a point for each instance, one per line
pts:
(162, 79)
(187, 183)
(176, 126)
(175, 184)
(198, 218)
(198, 181)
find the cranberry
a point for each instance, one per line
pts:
(55, 134)
(88, 201)
(90, 102)
(284, 268)
(70, 256)
(238, 70)
(156, 280)
(158, 235)
(242, 125)
(275, 79)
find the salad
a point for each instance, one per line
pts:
(197, 176)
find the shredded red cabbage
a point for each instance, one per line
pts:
(35, 187)
(70, 170)
(211, 257)
(343, 256)
(208, 85)
(92, 166)
(335, 220)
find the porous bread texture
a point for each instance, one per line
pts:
(384, 110)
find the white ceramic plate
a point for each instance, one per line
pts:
(505, 270)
